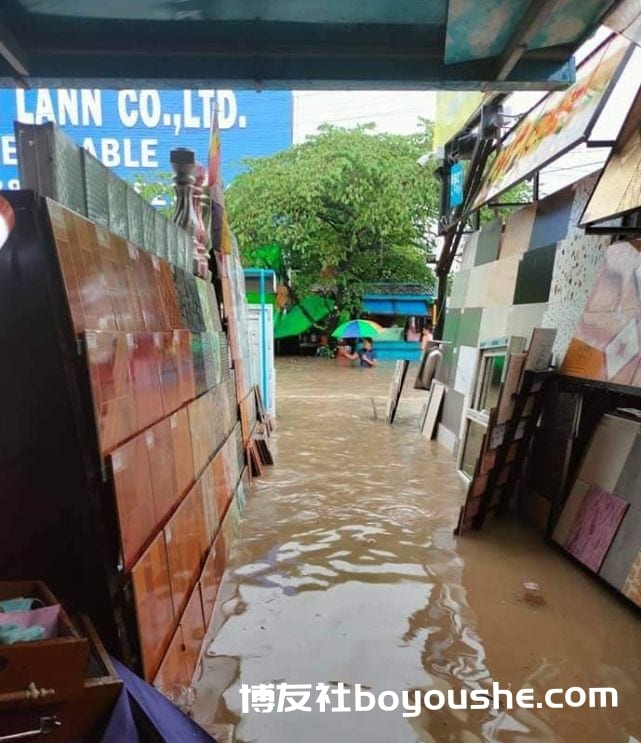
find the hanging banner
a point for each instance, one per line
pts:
(560, 122)
(456, 185)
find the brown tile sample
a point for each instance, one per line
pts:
(154, 609)
(134, 497)
(144, 371)
(181, 444)
(163, 472)
(193, 627)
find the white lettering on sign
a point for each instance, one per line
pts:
(73, 107)
(127, 116)
(150, 108)
(8, 150)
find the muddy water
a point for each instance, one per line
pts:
(346, 570)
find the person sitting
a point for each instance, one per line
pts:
(367, 355)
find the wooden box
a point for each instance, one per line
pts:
(57, 664)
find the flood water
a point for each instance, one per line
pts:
(347, 570)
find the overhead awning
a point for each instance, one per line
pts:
(421, 44)
(409, 306)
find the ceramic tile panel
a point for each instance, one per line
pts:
(172, 242)
(96, 178)
(160, 229)
(618, 285)
(627, 541)
(195, 310)
(183, 455)
(198, 356)
(173, 675)
(112, 391)
(466, 369)
(501, 281)
(452, 412)
(134, 498)
(494, 323)
(199, 440)
(147, 268)
(193, 626)
(632, 585)
(595, 526)
(144, 371)
(212, 522)
(117, 200)
(79, 258)
(168, 298)
(186, 379)
(223, 487)
(534, 276)
(163, 470)
(478, 285)
(518, 231)
(154, 608)
(123, 285)
(135, 205)
(215, 308)
(617, 190)
(608, 451)
(205, 305)
(459, 289)
(452, 325)
(167, 352)
(209, 585)
(489, 242)
(186, 540)
(149, 228)
(552, 218)
(523, 318)
(468, 257)
(470, 326)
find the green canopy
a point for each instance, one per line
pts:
(297, 319)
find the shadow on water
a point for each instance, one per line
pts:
(346, 570)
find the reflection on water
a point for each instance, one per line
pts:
(346, 570)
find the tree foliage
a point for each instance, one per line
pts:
(348, 206)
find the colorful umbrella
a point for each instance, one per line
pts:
(357, 329)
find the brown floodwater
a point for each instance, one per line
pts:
(346, 570)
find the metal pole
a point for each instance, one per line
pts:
(263, 341)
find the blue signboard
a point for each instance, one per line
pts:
(456, 185)
(133, 131)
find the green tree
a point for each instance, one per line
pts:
(348, 206)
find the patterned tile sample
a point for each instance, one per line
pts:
(144, 371)
(160, 227)
(606, 344)
(518, 230)
(595, 526)
(198, 355)
(80, 262)
(163, 470)
(627, 542)
(186, 540)
(154, 608)
(172, 242)
(149, 228)
(112, 391)
(535, 275)
(134, 497)
(489, 242)
(552, 218)
(168, 298)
